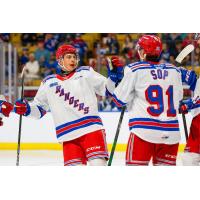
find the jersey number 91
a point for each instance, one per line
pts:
(155, 96)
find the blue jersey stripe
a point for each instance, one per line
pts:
(121, 103)
(76, 121)
(139, 68)
(108, 94)
(79, 127)
(154, 128)
(83, 68)
(153, 120)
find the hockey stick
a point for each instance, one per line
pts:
(20, 118)
(186, 51)
(116, 135)
(185, 126)
(118, 126)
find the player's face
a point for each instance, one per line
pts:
(69, 62)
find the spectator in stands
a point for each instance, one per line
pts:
(42, 55)
(178, 48)
(197, 51)
(196, 60)
(50, 42)
(187, 61)
(51, 66)
(28, 39)
(102, 49)
(40, 36)
(5, 37)
(24, 58)
(81, 47)
(32, 68)
(112, 44)
(128, 49)
(171, 40)
(165, 53)
(172, 60)
(189, 39)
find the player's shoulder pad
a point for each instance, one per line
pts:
(48, 78)
(83, 68)
(139, 65)
(171, 66)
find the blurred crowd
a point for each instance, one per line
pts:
(37, 52)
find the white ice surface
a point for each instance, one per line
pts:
(50, 158)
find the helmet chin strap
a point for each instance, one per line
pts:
(64, 70)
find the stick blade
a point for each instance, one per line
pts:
(187, 50)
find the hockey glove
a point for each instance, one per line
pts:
(115, 69)
(5, 108)
(22, 107)
(185, 106)
(189, 77)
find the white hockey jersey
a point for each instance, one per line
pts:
(152, 94)
(72, 102)
(196, 110)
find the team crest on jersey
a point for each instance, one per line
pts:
(53, 84)
(71, 99)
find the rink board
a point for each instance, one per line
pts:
(40, 134)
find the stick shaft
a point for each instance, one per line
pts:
(20, 123)
(185, 126)
(116, 136)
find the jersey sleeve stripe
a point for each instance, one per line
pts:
(108, 94)
(117, 101)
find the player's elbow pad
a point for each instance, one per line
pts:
(192, 80)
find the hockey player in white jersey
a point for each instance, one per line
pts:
(5, 109)
(152, 92)
(71, 98)
(191, 155)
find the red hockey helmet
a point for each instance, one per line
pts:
(64, 49)
(151, 45)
